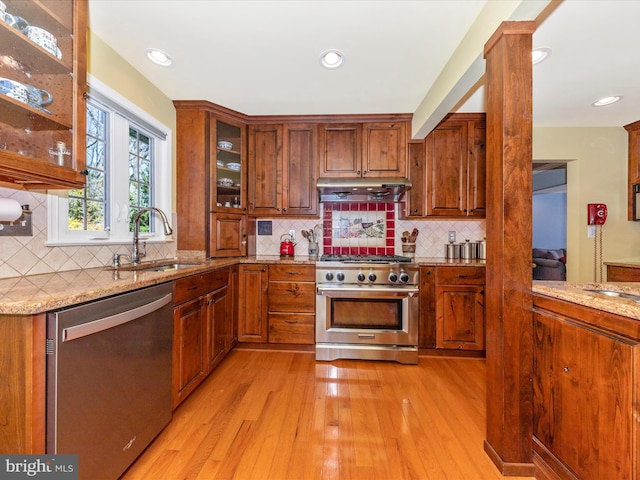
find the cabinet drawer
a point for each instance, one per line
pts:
(289, 273)
(292, 297)
(461, 275)
(193, 286)
(291, 328)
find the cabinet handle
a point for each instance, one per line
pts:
(566, 369)
(192, 288)
(291, 322)
(293, 290)
(294, 273)
(463, 276)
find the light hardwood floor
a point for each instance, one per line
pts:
(282, 415)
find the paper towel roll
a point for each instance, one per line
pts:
(10, 210)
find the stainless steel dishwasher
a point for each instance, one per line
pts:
(109, 379)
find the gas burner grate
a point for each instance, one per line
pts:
(364, 258)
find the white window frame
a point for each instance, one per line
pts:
(58, 233)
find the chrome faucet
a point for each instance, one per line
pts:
(136, 255)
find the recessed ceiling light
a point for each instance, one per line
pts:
(158, 57)
(606, 101)
(331, 58)
(540, 54)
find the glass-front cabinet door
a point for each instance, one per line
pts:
(229, 168)
(42, 82)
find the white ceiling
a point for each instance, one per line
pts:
(262, 57)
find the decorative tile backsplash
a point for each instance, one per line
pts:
(434, 234)
(358, 228)
(30, 255)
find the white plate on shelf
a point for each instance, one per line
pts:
(233, 166)
(220, 163)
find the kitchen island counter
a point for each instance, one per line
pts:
(583, 294)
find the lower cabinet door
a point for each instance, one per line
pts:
(252, 303)
(460, 317)
(228, 236)
(189, 368)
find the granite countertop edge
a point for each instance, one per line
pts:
(585, 294)
(33, 294)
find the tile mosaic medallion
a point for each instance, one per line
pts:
(359, 228)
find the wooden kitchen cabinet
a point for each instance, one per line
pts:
(456, 167)
(292, 304)
(460, 308)
(252, 303)
(415, 199)
(189, 368)
(427, 326)
(205, 223)
(369, 149)
(633, 176)
(29, 130)
(282, 170)
(23, 393)
(228, 235)
(585, 370)
(202, 325)
(620, 273)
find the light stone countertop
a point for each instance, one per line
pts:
(34, 294)
(579, 293)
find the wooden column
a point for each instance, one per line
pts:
(508, 299)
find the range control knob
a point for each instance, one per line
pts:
(372, 277)
(329, 276)
(404, 277)
(361, 277)
(340, 276)
(393, 277)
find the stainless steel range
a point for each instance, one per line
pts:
(367, 308)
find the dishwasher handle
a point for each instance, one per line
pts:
(85, 329)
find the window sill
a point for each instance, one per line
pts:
(105, 241)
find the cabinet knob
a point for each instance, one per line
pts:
(565, 369)
(358, 172)
(284, 209)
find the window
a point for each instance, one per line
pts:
(128, 169)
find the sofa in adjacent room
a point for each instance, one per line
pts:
(550, 264)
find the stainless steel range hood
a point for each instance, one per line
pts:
(381, 189)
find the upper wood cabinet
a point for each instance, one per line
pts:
(373, 149)
(44, 108)
(448, 170)
(207, 219)
(282, 170)
(634, 163)
(455, 154)
(416, 199)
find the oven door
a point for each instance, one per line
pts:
(368, 314)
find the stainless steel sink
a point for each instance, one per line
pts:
(612, 293)
(158, 266)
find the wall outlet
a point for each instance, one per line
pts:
(452, 236)
(591, 231)
(293, 235)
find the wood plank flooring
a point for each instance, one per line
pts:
(283, 416)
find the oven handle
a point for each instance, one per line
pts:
(410, 291)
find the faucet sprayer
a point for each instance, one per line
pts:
(136, 255)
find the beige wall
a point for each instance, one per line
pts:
(596, 173)
(110, 68)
